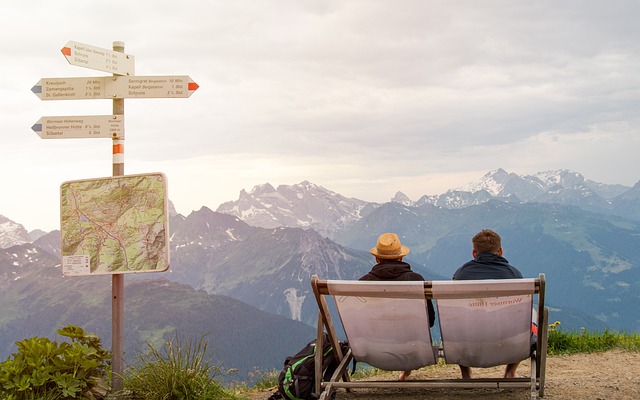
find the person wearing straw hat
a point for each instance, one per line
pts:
(389, 253)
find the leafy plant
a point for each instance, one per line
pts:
(43, 369)
(177, 371)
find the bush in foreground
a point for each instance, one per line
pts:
(46, 370)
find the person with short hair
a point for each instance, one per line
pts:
(388, 254)
(487, 263)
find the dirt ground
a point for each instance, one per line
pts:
(611, 375)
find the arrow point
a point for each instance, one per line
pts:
(36, 89)
(192, 86)
(66, 51)
(37, 128)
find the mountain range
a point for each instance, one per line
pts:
(256, 255)
(310, 206)
(580, 233)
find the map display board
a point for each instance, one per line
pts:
(114, 225)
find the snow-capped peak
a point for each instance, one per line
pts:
(492, 182)
(12, 233)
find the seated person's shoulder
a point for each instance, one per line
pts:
(414, 276)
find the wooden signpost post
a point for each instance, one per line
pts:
(123, 84)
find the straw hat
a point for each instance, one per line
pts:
(389, 247)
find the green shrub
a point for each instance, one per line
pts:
(42, 369)
(177, 371)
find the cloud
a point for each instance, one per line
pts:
(365, 98)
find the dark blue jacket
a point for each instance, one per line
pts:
(487, 266)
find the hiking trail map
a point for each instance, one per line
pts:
(114, 225)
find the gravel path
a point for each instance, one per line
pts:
(611, 375)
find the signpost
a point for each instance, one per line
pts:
(71, 88)
(84, 55)
(115, 87)
(122, 84)
(83, 126)
(149, 87)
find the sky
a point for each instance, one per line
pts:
(364, 98)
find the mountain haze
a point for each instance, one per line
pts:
(267, 268)
(36, 300)
(579, 232)
(243, 271)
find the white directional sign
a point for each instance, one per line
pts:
(83, 126)
(115, 87)
(71, 88)
(84, 55)
(147, 87)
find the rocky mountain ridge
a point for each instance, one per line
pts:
(307, 205)
(301, 205)
(310, 206)
(12, 233)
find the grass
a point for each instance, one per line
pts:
(561, 342)
(257, 380)
(178, 370)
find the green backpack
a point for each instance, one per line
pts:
(297, 379)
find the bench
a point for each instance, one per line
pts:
(483, 323)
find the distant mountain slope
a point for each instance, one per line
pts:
(267, 268)
(628, 203)
(591, 260)
(50, 243)
(36, 300)
(271, 268)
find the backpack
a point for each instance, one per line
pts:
(296, 381)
